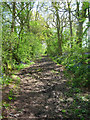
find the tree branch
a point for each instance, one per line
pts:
(8, 6)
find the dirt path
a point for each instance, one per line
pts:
(42, 93)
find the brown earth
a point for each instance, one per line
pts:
(42, 93)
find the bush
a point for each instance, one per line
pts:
(76, 63)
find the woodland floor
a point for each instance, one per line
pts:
(43, 94)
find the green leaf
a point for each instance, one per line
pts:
(10, 98)
(63, 111)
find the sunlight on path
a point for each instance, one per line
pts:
(42, 93)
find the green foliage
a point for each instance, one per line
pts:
(51, 41)
(80, 101)
(79, 107)
(23, 49)
(9, 51)
(11, 95)
(76, 62)
(23, 65)
(63, 111)
(31, 38)
(5, 80)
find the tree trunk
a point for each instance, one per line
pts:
(71, 34)
(58, 28)
(21, 20)
(89, 13)
(80, 33)
(13, 17)
(81, 15)
(29, 7)
(89, 25)
(58, 34)
(36, 16)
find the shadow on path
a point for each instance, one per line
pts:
(42, 93)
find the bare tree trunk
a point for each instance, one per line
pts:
(71, 33)
(58, 28)
(89, 25)
(36, 16)
(58, 33)
(28, 26)
(81, 15)
(89, 12)
(13, 17)
(80, 33)
(29, 8)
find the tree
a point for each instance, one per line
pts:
(81, 16)
(13, 16)
(58, 27)
(70, 21)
